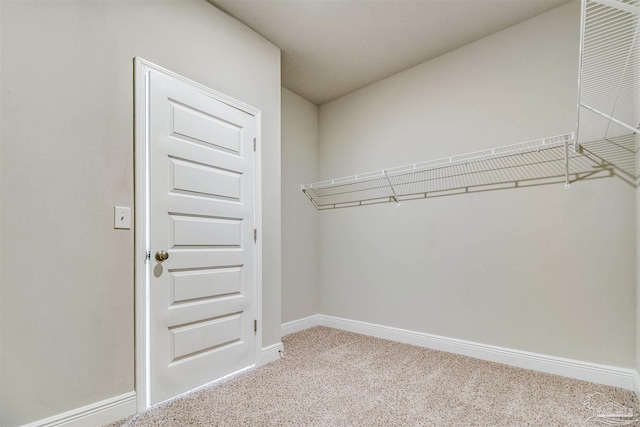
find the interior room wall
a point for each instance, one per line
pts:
(539, 269)
(637, 155)
(300, 290)
(67, 158)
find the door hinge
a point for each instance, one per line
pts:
(254, 144)
(255, 326)
(255, 235)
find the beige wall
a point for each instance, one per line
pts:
(67, 158)
(300, 292)
(637, 171)
(539, 269)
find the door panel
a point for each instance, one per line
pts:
(201, 212)
(198, 180)
(205, 283)
(211, 231)
(198, 125)
(190, 340)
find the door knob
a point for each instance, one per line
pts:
(162, 256)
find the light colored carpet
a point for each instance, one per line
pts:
(335, 378)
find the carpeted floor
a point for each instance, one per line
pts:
(335, 378)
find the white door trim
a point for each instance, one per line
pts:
(142, 69)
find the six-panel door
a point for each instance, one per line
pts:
(201, 212)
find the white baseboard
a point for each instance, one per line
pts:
(95, 414)
(270, 353)
(116, 408)
(299, 325)
(601, 374)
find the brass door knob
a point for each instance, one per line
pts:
(162, 256)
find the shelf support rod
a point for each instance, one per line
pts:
(608, 117)
(395, 196)
(567, 184)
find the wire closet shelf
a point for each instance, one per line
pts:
(609, 87)
(449, 174)
(608, 110)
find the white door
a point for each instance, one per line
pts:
(201, 210)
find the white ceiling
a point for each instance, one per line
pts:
(333, 47)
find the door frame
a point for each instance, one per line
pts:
(142, 70)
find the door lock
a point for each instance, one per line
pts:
(162, 256)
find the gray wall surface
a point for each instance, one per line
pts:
(539, 269)
(637, 155)
(67, 281)
(300, 291)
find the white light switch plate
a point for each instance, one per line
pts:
(121, 217)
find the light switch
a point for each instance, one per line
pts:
(121, 217)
